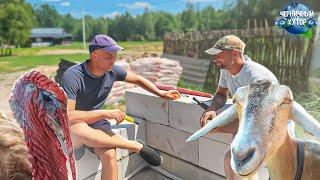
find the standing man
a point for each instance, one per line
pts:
(236, 70)
(87, 86)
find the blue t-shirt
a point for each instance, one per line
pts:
(89, 91)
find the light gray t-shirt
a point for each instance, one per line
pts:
(250, 72)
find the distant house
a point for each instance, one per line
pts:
(49, 36)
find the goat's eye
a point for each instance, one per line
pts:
(234, 100)
(286, 101)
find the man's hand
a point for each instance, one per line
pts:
(206, 117)
(172, 94)
(115, 114)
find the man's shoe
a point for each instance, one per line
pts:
(150, 155)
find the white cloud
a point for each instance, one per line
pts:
(112, 15)
(65, 4)
(137, 5)
(51, 0)
(201, 1)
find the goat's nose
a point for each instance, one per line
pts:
(242, 156)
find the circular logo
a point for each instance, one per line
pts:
(296, 18)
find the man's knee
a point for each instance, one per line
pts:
(78, 128)
(106, 154)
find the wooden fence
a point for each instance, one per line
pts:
(287, 56)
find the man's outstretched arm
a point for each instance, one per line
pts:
(147, 85)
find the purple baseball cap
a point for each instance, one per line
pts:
(104, 42)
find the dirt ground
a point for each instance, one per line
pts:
(7, 80)
(66, 51)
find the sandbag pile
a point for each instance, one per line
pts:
(119, 87)
(160, 71)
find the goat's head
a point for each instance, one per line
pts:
(263, 110)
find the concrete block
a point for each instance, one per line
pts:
(172, 141)
(131, 164)
(149, 174)
(211, 155)
(186, 117)
(140, 103)
(88, 165)
(126, 167)
(166, 164)
(118, 151)
(188, 171)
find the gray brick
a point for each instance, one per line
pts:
(186, 117)
(140, 103)
(130, 164)
(89, 164)
(188, 171)
(211, 155)
(172, 141)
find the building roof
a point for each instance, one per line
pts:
(48, 32)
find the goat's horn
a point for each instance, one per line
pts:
(222, 119)
(304, 119)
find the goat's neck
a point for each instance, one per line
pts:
(282, 164)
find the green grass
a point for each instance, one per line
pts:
(27, 58)
(131, 45)
(315, 73)
(34, 50)
(311, 102)
(23, 63)
(185, 85)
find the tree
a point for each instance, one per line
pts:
(147, 25)
(189, 19)
(122, 27)
(16, 19)
(100, 26)
(165, 23)
(47, 16)
(68, 22)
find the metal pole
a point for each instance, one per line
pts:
(83, 31)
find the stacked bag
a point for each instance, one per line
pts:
(160, 71)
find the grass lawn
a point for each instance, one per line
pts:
(27, 58)
(315, 73)
(23, 63)
(148, 46)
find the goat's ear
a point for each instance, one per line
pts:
(282, 94)
(304, 119)
(240, 94)
(223, 119)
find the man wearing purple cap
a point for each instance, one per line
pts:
(87, 86)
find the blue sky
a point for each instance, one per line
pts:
(110, 8)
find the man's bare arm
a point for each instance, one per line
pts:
(219, 99)
(142, 82)
(149, 86)
(93, 115)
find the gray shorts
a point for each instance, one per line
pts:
(103, 125)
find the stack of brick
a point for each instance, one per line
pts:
(168, 125)
(160, 71)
